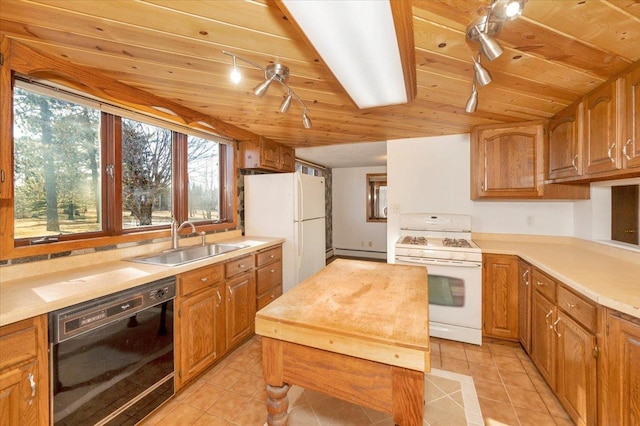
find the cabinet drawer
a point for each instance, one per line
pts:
(238, 266)
(578, 308)
(267, 256)
(19, 343)
(269, 297)
(544, 284)
(197, 279)
(268, 276)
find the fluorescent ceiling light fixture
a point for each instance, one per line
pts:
(357, 39)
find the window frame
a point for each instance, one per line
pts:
(374, 181)
(111, 186)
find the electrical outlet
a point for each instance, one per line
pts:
(394, 209)
(531, 222)
(370, 244)
(361, 243)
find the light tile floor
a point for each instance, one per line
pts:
(510, 391)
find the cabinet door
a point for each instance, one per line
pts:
(602, 137)
(18, 400)
(240, 308)
(287, 159)
(623, 385)
(524, 305)
(576, 371)
(24, 378)
(508, 162)
(565, 143)
(631, 148)
(543, 341)
(500, 296)
(6, 122)
(201, 333)
(269, 154)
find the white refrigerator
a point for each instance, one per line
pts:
(290, 206)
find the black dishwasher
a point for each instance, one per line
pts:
(111, 358)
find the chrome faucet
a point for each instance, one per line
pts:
(175, 229)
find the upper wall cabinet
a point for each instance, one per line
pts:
(265, 154)
(565, 142)
(507, 162)
(598, 138)
(631, 147)
(603, 128)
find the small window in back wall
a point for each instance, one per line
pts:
(377, 197)
(625, 212)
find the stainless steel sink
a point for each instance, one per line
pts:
(187, 254)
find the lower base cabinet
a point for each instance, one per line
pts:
(576, 370)
(24, 381)
(543, 343)
(619, 385)
(216, 310)
(500, 296)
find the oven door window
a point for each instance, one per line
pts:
(446, 291)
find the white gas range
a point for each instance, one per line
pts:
(442, 243)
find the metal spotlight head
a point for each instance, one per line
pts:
(472, 102)
(490, 47)
(306, 121)
(262, 88)
(482, 75)
(284, 106)
(235, 73)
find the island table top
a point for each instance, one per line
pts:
(370, 310)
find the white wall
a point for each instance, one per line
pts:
(351, 231)
(433, 175)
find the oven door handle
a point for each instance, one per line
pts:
(423, 262)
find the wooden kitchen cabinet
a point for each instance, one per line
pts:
(24, 378)
(524, 304)
(500, 296)
(631, 147)
(240, 299)
(575, 329)
(603, 128)
(268, 276)
(6, 121)
(200, 321)
(543, 314)
(619, 389)
(265, 154)
(508, 162)
(565, 143)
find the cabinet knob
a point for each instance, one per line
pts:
(540, 283)
(271, 256)
(272, 270)
(570, 305)
(203, 279)
(273, 296)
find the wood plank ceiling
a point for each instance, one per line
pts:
(556, 52)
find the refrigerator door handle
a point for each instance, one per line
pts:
(299, 244)
(299, 214)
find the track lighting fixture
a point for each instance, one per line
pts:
(272, 72)
(483, 31)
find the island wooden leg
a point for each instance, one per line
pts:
(408, 396)
(277, 405)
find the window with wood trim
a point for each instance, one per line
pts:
(82, 172)
(377, 197)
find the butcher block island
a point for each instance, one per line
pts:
(356, 330)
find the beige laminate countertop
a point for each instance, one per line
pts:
(37, 288)
(606, 275)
